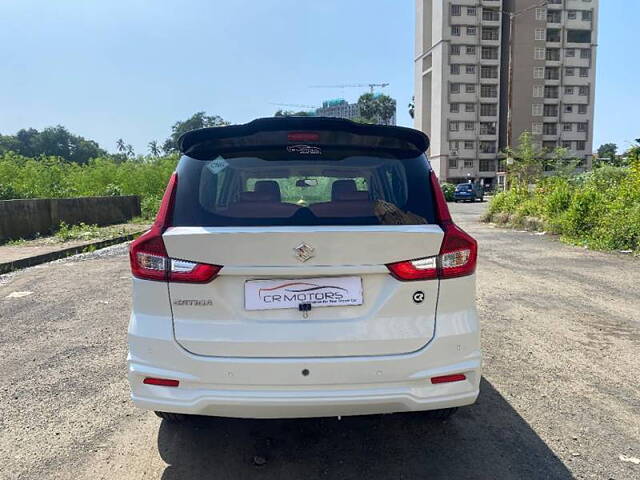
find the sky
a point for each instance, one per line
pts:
(131, 68)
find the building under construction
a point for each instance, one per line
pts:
(340, 108)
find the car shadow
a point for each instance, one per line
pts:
(488, 440)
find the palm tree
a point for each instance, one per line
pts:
(386, 108)
(121, 146)
(154, 149)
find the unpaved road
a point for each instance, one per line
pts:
(560, 396)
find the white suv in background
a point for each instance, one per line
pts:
(303, 267)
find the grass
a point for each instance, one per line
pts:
(81, 231)
(16, 243)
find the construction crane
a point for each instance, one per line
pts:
(353, 85)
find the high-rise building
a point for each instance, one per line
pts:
(463, 52)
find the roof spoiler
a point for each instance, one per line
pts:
(222, 136)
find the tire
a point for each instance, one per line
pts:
(443, 414)
(172, 417)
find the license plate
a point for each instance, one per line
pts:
(319, 292)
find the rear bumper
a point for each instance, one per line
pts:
(277, 387)
(305, 399)
(320, 402)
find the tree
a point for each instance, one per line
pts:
(9, 143)
(130, 152)
(154, 148)
(83, 150)
(412, 107)
(561, 164)
(26, 139)
(608, 154)
(631, 158)
(387, 107)
(377, 108)
(197, 120)
(608, 150)
(526, 162)
(54, 141)
(125, 150)
(121, 146)
(368, 107)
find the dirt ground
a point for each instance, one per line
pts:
(560, 396)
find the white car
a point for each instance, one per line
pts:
(303, 267)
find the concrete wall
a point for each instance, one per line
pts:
(25, 218)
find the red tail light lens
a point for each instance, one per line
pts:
(458, 251)
(191, 272)
(421, 269)
(163, 382)
(458, 377)
(303, 136)
(148, 255)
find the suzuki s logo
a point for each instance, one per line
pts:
(304, 252)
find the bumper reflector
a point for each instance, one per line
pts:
(458, 377)
(163, 382)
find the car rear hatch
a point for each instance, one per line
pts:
(299, 222)
(348, 263)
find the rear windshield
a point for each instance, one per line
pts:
(464, 187)
(289, 187)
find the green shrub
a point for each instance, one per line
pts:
(583, 212)
(149, 206)
(113, 190)
(7, 192)
(599, 209)
(555, 197)
(448, 189)
(81, 231)
(52, 177)
(506, 202)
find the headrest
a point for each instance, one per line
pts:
(352, 196)
(255, 197)
(342, 187)
(269, 188)
(346, 190)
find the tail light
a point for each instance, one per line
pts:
(458, 377)
(163, 382)
(303, 136)
(148, 255)
(458, 251)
